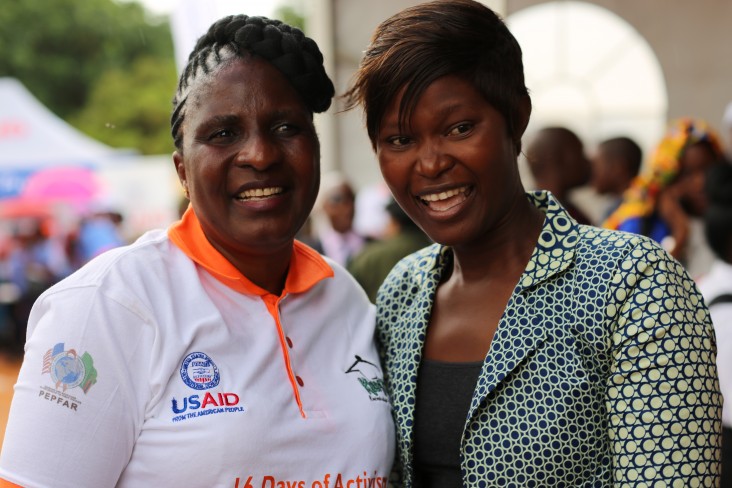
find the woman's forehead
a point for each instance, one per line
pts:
(251, 80)
(204, 84)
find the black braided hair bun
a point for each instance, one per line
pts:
(286, 47)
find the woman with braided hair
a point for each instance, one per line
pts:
(522, 349)
(219, 352)
(667, 200)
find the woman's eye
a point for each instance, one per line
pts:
(398, 141)
(222, 133)
(286, 129)
(460, 129)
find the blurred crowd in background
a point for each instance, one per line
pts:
(36, 251)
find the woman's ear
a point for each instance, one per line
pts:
(522, 122)
(180, 168)
(524, 114)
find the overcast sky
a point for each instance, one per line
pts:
(249, 7)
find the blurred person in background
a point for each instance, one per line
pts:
(9, 294)
(716, 287)
(98, 231)
(614, 166)
(334, 217)
(557, 160)
(401, 238)
(666, 201)
(727, 128)
(372, 220)
(36, 259)
(221, 351)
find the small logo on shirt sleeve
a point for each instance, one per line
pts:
(370, 377)
(68, 370)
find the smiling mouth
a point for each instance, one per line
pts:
(443, 201)
(259, 193)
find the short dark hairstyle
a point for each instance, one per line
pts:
(425, 42)
(236, 36)
(718, 216)
(550, 141)
(624, 149)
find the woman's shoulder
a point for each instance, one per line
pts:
(598, 240)
(125, 284)
(629, 256)
(416, 263)
(410, 274)
(125, 266)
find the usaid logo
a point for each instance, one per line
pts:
(199, 372)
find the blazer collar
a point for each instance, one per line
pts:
(555, 250)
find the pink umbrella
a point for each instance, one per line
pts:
(73, 185)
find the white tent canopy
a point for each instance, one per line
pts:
(32, 138)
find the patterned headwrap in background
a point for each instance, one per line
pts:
(639, 200)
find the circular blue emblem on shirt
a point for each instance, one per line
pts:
(199, 371)
(67, 369)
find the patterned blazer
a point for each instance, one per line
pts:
(602, 369)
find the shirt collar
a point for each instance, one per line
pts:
(307, 267)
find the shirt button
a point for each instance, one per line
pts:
(299, 381)
(289, 342)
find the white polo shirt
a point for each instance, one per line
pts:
(159, 364)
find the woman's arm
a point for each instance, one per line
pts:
(662, 394)
(80, 397)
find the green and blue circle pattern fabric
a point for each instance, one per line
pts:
(601, 373)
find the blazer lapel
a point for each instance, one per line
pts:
(414, 330)
(516, 339)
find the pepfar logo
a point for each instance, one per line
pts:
(69, 370)
(199, 372)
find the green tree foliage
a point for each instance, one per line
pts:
(131, 107)
(64, 51)
(291, 13)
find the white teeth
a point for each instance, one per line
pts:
(434, 197)
(261, 192)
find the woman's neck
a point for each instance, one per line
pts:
(268, 270)
(506, 251)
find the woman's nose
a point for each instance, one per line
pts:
(257, 151)
(432, 160)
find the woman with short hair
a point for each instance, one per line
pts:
(522, 349)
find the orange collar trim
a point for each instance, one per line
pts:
(307, 267)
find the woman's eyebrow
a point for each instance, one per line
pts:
(286, 113)
(447, 110)
(392, 124)
(222, 119)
